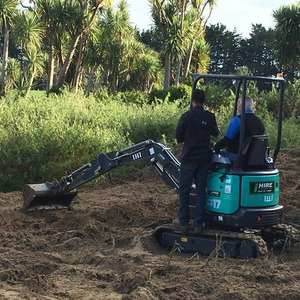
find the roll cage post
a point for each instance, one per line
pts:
(241, 81)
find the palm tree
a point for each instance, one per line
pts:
(287, 35)
(166, 19)
(173, 19)
(66, 23)
(34, 66)
(200, 58)
(28, 30)
(48, 12)
(119, 39)
(28, 33)
(198, 25)
(147, 71)
(13, 71)
(94, 59)
(82, 15)
(7, 10)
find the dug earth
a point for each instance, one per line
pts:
(103, 247)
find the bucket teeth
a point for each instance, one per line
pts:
(45, 196)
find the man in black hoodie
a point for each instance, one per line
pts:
(194, 130)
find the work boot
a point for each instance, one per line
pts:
(179, 226)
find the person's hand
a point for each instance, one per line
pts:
(217, 147)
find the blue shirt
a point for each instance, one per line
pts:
(234, 126)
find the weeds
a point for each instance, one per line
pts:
(217, 252)
(44, 138)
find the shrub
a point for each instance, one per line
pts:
(216, 96)
(133, 97)
(151, 122)
(45, 138)
(180, 93)
(291, 105)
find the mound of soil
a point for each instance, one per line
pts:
(102, 248)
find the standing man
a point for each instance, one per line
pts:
(194, 130)
(231, 140)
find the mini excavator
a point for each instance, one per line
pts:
(243, 214)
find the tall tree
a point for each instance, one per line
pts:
(202, 11)
(181, 22)
(48, 12)
(257, 53)
(169, 17)
(67, 22)
(224, 49)
(8, 9)
(201, 59)
(119, 42)
(28, 33)
(287, 35)
(147, 70)
(81, 14)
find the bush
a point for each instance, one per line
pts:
(133, 97)
(217, 96)
(291, 105)
(156, 122)
(181, 93)
(45, 138)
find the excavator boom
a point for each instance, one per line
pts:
(60, 194)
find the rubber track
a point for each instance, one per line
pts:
(254, 238)
(290, 230)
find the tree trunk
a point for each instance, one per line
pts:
(90, 82)
(78, 77)
(30, 83)
(4, 61)
(167, 71)
(150, 87)
(114, 83)
(50, 69)
(178, 70)
(79, 65)
(63, 71)
(188, 61)
(99, 84)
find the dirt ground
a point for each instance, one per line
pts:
(103, 248)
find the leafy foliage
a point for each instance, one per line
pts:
(44, 138)
(171, 94)
(287, 34)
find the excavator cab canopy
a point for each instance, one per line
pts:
(240, 92)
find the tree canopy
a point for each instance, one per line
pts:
(88, 44)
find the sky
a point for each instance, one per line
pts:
(235, 14)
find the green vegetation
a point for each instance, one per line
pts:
(43, 138)
(90, 44)
(100, 80)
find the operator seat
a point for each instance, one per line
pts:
(253, 152)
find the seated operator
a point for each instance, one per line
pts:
(253, 126)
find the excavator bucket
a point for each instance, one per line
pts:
(45, 196)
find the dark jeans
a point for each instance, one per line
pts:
(188, 173)
(228, 154)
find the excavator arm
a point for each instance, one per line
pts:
(59, 194)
